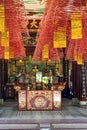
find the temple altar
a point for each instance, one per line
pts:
(39, 100)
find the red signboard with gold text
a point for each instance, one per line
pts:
(33, 24)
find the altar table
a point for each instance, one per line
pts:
(39, 100)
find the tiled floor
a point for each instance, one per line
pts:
(70, 113)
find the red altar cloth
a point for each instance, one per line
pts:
(39, 100)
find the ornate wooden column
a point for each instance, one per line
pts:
(79, 82)
(86, 76)
(3, 77)
(5, 68)
(0, 78)
(83, 84)
(65, 92)
(1, 82)
(66, 66)
(76, 80)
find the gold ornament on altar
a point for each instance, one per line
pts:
(17, 88)
(40, 102)
(61, 87)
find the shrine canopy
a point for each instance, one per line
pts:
(11, 29)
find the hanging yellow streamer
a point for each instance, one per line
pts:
(45, 52)
(5, 43)
(60, 38)
(76, 26)
(6, 54)
(79, 59)
(2, 19)
(5, 39)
